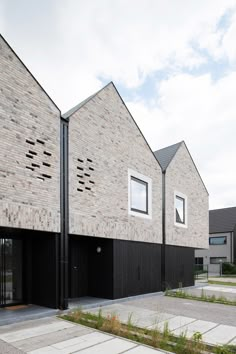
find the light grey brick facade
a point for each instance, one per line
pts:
(104, 142)
(183, 177)
(29, 149)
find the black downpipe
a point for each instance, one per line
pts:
(163, 248)
(63, 245)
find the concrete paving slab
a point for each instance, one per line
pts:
(85, 341)
(138, 316)
(6, 348)
(33, 332)
(196, 326)
(174, 323)
(114, 346)
(48, 339)
(218, 288)
(144, 350)
(220, 335)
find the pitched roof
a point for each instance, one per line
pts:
(222, 220)
(78, 106)
(12, 50)
(165, 155)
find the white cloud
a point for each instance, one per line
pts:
(202, 113)
(81, 42)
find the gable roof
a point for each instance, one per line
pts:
(69, 113)
(12, 50)
(222, 220)
(81, 104)
(165, 155)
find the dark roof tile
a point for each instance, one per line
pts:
(165, 155)
(222, 220)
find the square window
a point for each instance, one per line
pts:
(139, 195)
(180, 209)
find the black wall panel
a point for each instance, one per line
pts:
(78, 268)
(137, 268)
(44, 271)
(91, 272)
(101, 268)
(179, 266)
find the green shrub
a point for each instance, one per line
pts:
(228, 268)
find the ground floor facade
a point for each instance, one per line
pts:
(31, 266)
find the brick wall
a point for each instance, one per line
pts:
(29, 149)
(103, 143)
(182, 176)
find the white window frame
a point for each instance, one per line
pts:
(183, 196)
(148, 180)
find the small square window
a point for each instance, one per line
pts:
(139, 195)
(180, 202)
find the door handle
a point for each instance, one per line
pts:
(75, 267)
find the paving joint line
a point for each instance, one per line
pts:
(90, 346)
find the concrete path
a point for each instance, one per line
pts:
(56, 336)
(218, 290)
(216, 323)
(224, 279)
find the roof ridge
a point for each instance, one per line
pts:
(166, 154)
(74, 109)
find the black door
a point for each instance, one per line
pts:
(11, 291)
(78, 268)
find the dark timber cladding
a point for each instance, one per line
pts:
(113, 268)
(137, 268)
(179, 266)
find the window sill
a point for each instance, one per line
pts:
(184, 226)
(140, 215)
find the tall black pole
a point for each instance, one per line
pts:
(63, 245)
(163, 247)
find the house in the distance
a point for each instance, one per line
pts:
(185, 206)
(222, 240)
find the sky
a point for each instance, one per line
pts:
(173, 62)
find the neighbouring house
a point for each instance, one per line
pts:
(222, 240)
(81, 199)
(185, 206)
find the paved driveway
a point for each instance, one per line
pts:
(216, 322)
(56, 336)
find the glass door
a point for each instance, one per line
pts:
(10, 271)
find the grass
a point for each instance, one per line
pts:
(153, 337)
(180, 293)
(218, 282)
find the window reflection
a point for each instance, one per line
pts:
(179, 210)
(139, 195)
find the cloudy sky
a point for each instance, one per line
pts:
(173, 61)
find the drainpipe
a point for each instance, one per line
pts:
(63, 244)
(163, 248)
